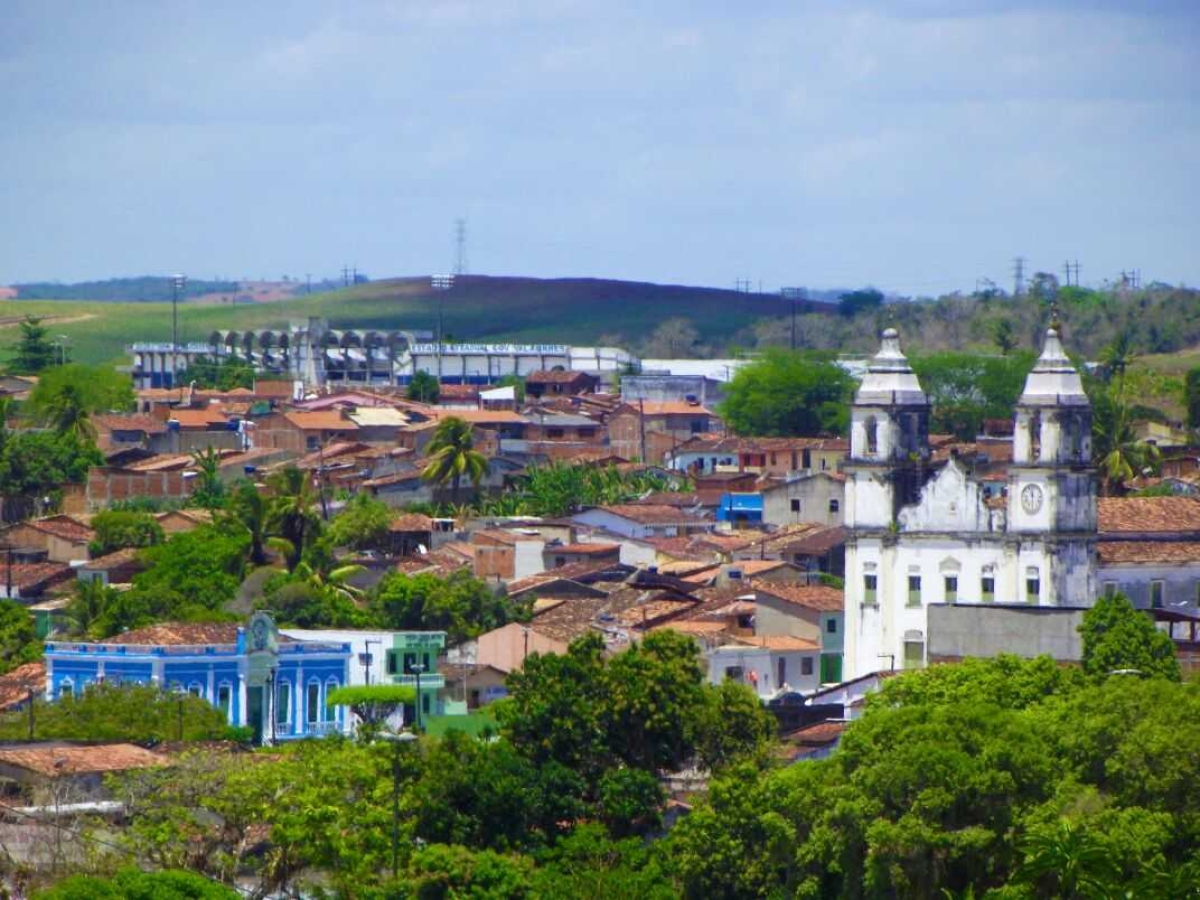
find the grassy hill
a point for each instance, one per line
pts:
(477, 308)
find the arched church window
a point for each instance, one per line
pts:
(1035, 436)
(872, 428)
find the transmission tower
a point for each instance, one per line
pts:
(460, 240)
(1018, 276)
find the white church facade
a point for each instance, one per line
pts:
(922, 532)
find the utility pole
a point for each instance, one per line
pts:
(1076, 267)
(1067, 272)
(345, 275)
(1018, 276)
(793, 294)
(307, 283)
(177, 283)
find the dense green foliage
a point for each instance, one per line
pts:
(118, 712)
(424, 387)
(34, 465)
(855, 303)
(1191, 398)
(361, 525)
(788, 394)
(960, 778)
(96, 389)
(459, 604)
(133, 884)
(116, 530)
(220, 374)
(966, 388)
(34, 350)
(18, 639)
(1119, 638)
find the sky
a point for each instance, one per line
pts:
(917, 146)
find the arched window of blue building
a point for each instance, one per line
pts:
(224, 696)
(283, 703)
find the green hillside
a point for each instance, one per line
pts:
(477, 308)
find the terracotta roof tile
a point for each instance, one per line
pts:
(1139, 552)
(57, 759)
(16, 685)
(652, 515)
(198, 418)
(64, 527)
(1148, 515)
(810, 596)
(320, 420)
(411, 522)
(113, 422)
(553, 376)
(180, 633)
(779, 642)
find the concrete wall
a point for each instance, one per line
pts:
(960, 631)
(814, 494)
(1181, 583)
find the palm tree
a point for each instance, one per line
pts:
(208, 464)
(66, 412)
(452, 455)
(1120, 454)
(85, 608)
(292, 512)
(249, 509)
(1077, 862)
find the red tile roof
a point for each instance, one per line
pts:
(554, 376)
(16, 685)
(27, 577)
(197, 418)
(180, 633)
(810, 596)
(320, 420)
(58, 759)
(411, 522)
(779, 642)
(651, 515)
(64, 527)
(1147, 515)
(112, 422)
(1147, 552)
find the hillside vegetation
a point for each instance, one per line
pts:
(654, 320)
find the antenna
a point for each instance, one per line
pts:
(460, 240)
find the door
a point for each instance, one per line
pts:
(254, 711)
(831, 668)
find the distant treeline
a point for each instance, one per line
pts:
(145, 289)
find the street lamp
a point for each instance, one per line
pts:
(404, 738)
(417, 669)
(177, 283)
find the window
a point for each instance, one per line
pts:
(951, 584)
(831, 626)
(824, 463)
(1156, 594)
(224, 697)
(733, 673)
(283, 703)
(312, 443)
(773, 458)
(196, 689)
(796, 506)
(914, 590)
(834, 506)
(870, 582)
(1033, 586)
(806, 665)
(987, 587)
(872, 436)
(559, 561)
(552, 433)
(1110, 588)
(793, 460)
(391, 662)
(312, 702)
(806, 458)
(781, 671)
(66, 688)
(697, 426)
(914, 654)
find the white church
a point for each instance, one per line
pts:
(921, 532)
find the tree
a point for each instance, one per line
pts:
(731, 726)
(1004, 335)
(452, 455)
(673, 338)
(424, 387)
(372, 704)
(516, 382)
(18, 638)
(966, 388)
(855, 303)
(293, 515)
(116, 530)
(35, 465)
(91, 598)
(1117, 637)
(361, 525)
(66, 412)
(459, 604)
(1067, 861)
(34, 351)
(251, 511)
(788, 394)
(113, 711)
(631, 802)
(222, 374)
(210, 490)
(96, 389)
(134, 884)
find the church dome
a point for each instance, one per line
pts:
(1054, 381)
(890, 380)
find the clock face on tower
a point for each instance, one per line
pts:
(1031, 498)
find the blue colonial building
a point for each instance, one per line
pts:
(275, 685)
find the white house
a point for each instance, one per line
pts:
(768, 664)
